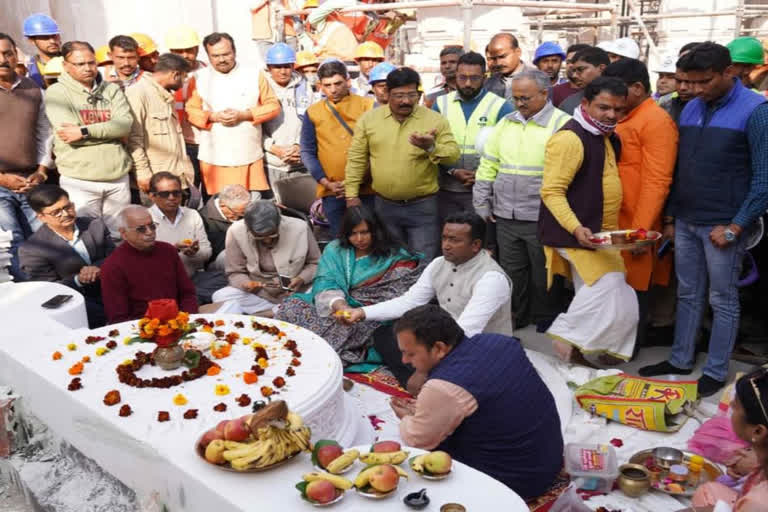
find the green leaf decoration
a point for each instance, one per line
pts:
(191, 358)
(302, 488)
(318, 445)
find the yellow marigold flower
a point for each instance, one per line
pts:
(180, 399)
(263, 362)
(207, 328)
(257, 346)
(71, 346)
(101, 351)
(173, 324)
(222, 389)
(154, 322)
(143, 322)
(182, 317)
(247, 341)
(127, 362)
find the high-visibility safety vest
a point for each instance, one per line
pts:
(180, 97)
(465, 131)
(508, 180)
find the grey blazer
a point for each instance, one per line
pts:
(45, 256)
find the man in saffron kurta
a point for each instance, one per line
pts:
(229, 105)
(581, 195)
(648, 154)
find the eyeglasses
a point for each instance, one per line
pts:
(469, 78)
(70, 209)
(753, 381)
(165, 194)
(523, 99)
(146, 228)
(405, 96)
(265, 238)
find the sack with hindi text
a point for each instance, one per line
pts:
(647, 404)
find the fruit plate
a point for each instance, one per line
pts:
(338, 498)
(342, 472)
(426, 474)
(709, 473)
(226, 467)
(369, 492)
(602, 240)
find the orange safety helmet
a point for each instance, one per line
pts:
(102, 55)
(147, 45)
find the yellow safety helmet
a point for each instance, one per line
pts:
(102, 55)
(369, 50)
(54, 67)
(310, 4)
(305, 58)
(147, 45)
(182, 37)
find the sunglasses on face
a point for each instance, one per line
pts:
(146, 228)
(70, 209)
(165, 194)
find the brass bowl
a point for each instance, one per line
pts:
(634, 480)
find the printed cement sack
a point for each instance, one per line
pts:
(647, 404)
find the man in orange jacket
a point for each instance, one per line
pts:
(646, 167)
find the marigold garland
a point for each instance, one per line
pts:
(126, 373)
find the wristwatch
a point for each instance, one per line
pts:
(84, 132)
(730, 236)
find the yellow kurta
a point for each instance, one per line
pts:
(564, 156)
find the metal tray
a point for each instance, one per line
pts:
(652, 238)
(709, 473)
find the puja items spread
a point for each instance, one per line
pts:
(255, 442)
(591, 466)
(647, 404)
(624, 239)
(676, 472)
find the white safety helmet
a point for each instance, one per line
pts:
(667, 64)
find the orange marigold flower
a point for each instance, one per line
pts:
(281, 334)
(173, 324)
(183, 317)
(213, 370)
(143, 322)
(222, 351)
(207, 328)
(250, 378)
(266, 391)
(86, 359)
(219, 323)
(76, 368)
(56, 355)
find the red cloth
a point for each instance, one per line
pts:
(131, 278)
(562, 91)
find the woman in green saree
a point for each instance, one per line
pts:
(365, 265)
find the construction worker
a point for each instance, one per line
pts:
(307, 64)
(282, 134)
(507, 193)
(549, 58)
(378, 82)
(124, 52)
(43, 32)
(148, 53)
(666, 84)
(52, 70)
(468, 109)
(367, 55)
(504, 60)
(620, 48)
(103, 60)
(746, 55)
(449, 61)
(185, 42)
(330, 37)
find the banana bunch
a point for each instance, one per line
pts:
(393, 458)
(338, 482)
(365, 475)
(417, 464)
(342, 462)
(273, 445)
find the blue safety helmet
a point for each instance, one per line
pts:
(379, 72)
(546, 49)
(40, 25)
(281, 53)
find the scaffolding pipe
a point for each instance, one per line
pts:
(623, 20)
(466, 15)
(639, 19)
(739, 19)
(417, 4)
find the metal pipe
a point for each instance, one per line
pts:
(739, 19)
(626, 19)
(633, 8)
(466, 15)
(416, 4)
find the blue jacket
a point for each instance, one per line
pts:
(514, 435)
(722, 174)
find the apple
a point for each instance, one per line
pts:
(221, 425)
(209, 436)
(321, 491)
(438, 462)
(384, 478)
(386, 447)
(214, 452)
(236, 430)
(328, 453)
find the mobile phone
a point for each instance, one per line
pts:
(665, 247)
(55, 302)
(285, 283)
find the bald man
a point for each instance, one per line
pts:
(504, 54)
(142, 269)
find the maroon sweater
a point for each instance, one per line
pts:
(130, 278)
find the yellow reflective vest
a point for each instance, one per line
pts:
(508, 179)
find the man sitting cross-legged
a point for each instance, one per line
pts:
(467, 282)
(483, 402)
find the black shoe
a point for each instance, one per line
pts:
(709, 386)
(662, 368)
